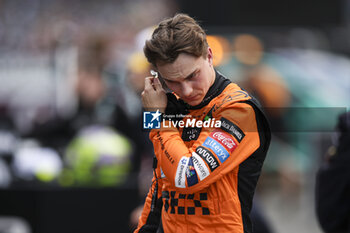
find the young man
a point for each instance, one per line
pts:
(207, 166)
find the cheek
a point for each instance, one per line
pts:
(173, 87)
(199, 84)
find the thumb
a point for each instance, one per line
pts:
(148, 83)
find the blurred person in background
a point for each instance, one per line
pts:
(191, 189)
(89, 87)
(333, 182)
(90, 138)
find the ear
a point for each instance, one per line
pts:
(210, 56)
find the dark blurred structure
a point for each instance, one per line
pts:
(265, 13)
(70, 210)
(333, 182)
(319, 24)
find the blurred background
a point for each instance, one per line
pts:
(73, 157)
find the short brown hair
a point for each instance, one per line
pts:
(180, 34)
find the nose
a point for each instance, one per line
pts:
(186, 89)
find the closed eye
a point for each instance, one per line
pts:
(191, 76)
(169, 81)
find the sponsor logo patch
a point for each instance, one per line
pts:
(232, 129)
(180, 177)
(217, 148)
(200, 166)
(191, 173)
(190, 133)
(237, 95)
(224, 140)
(208, 157)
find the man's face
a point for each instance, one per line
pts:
(189, 77)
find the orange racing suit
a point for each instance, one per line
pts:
(205, 178)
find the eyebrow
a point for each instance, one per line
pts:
(188, 76)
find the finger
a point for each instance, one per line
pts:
(148, 83)
(157, 85)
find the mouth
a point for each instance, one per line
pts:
(191, 99)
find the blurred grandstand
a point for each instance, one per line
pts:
(296, 60)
